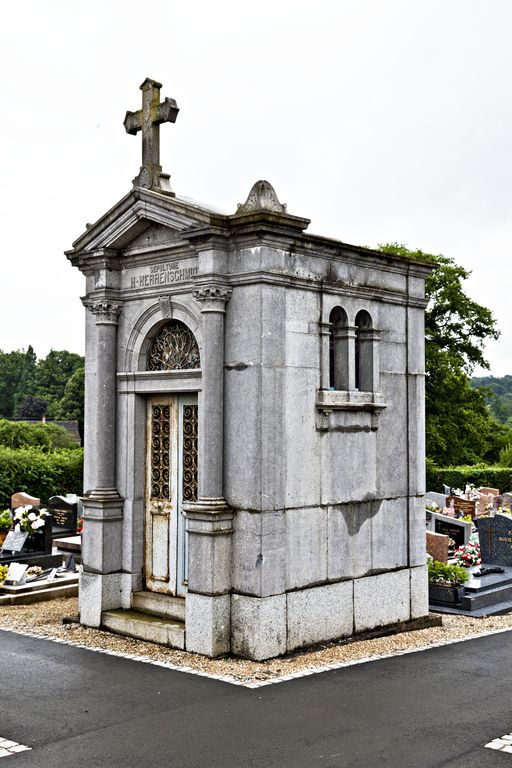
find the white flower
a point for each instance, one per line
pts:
(37, 524)
(32, 516)
(17, 528)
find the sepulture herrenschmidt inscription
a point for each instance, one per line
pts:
(254, 421)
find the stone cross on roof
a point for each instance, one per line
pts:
(148, 121)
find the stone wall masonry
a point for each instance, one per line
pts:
(306, 547)
(392, 439)
(263, 628)
(319, 615)
(382, 599)
(258, 626)
(419, 592)
(349, 465)
(389, 535)
(259, 565)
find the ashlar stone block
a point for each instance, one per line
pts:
(306, 546)
(207, 622)
(419, 592)
(381, 599)
(258, 626)
(320, 614)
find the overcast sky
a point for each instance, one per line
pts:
(380, 120)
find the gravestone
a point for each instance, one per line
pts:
(436, 498)
(497, 502)
(483, 501)
(489, 491)
(21, 499)
(458, 530)
(447, 490)
(461, 506)
(437, 546)
(495, 534)
(507, 500)
(63, 515)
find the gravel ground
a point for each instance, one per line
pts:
(46, 619)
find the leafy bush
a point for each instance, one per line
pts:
(506, 456)
(38, 473)
(479, 475)
(5, 520)
(442, 573)
(48, 437)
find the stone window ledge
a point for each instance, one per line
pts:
(337, 400)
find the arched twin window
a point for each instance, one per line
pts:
(351, 352)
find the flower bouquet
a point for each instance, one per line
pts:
(468, 554)
(29, 519)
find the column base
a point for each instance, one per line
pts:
(102, 537)
(209, 527)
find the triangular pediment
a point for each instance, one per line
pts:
(142, 219)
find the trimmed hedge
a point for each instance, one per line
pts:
(23, 434)
(38, 473)
(479, 475)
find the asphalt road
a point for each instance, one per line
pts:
(75, 707)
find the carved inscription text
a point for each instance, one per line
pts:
(163, 274)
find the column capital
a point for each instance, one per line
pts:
(213, 297)
(105, 311)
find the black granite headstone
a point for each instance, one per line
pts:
(63, 511)
(495, 534)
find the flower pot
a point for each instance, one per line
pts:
(438, 593)
(3, 534)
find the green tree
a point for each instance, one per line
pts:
(52, 375)
(458, 425)
(17, 378)
(31, 407)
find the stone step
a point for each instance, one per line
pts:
(490, 610)
(165, 606)
(143, 626)
(488, 597)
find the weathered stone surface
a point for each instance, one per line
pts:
(207, 622)
(437, 546)
(320, 614)
(258, 626)
(382, 599)
(419, 592)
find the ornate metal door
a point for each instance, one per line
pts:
(171, 479)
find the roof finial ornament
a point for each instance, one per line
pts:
(262, 197)
(148, 121)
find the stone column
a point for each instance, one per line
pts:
(209, 519)
(103, 506)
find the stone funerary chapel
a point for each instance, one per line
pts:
(254, 449)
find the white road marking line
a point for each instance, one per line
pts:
(503, 744)
(8, 747)
(260, 683)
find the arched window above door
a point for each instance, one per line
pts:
(174, 348)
